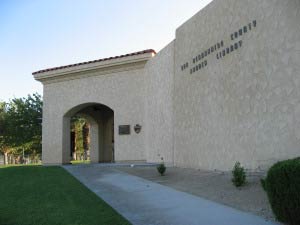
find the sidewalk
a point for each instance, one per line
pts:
(143, 202)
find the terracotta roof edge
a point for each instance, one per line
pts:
(94, 61)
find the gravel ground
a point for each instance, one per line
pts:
(215, 186)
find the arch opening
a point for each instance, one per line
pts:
(95, 136)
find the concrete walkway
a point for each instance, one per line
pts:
(143, 202)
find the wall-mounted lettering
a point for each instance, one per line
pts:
(184, 66)
(200, 61)
(199, 66)
(242, 30)
(229, 49)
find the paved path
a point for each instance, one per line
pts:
(144, 202)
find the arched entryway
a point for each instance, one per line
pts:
(101, 130)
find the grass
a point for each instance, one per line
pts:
(36, 195)
(16, 165)
(81, 161)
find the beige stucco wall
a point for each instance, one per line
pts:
(121, 91)
(243, 107)
(246, 106)
(159, 74)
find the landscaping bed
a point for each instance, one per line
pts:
(215, 186)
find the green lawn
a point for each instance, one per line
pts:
(80, 161)
(36, 195)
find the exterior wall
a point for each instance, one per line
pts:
(246, 106)
(159, 73)
(242, 107)
(122, 91)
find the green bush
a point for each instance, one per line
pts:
(263, 184)
(161, 168)
(239, 175)
(283, 188)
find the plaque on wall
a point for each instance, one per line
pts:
(137, 128)
(124, 129)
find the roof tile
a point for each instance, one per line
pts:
(93, 61)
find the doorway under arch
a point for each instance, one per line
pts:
(101, 131)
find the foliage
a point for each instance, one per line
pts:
(161, 168)
(3, 110)
(77, 124)
(2, 116)
(263, 184)
(283, 188)
(80, 126)
(50, 195)
(239, 175)
(20, 125)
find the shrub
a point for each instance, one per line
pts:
(263, 184)
(283, 188)
(239, 175)
(161, 168)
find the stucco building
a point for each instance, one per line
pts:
(226, 89)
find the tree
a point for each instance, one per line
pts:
(4, 148)
(85, 138)
(2, 119)
(21, 125)
(80, 127)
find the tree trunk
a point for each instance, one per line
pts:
(18, 159)
(5, 158)
(85, 137)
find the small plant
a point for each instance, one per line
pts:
(161, 168)
(239, 175)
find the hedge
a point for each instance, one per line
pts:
(283, 188)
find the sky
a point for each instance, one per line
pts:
(39, 34)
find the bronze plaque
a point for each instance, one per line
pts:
(137, 128)
(124, 129)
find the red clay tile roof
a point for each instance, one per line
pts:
(93, 61)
